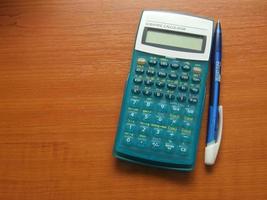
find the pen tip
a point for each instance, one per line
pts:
(218, 22)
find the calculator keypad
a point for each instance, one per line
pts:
(162, 106)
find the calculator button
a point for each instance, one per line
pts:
(175, 65)
(163, 64)
(148, 105)
(158, 94)
(181, 98)
(152, 62)
(147, 117)
(156, 143)
(183, 88)
(171, 86)
(169, 146)
(184, 77)
(133, 115)
(150, 72)
(197, 70)
(176, 109)
(137, 80)
(171, 135)
(194, 90)
(173, 76)
(145, 130)
(183, 149)
(160, 84)
(162, 107)
(147, 93)
(186, 138)
(162, 74)
(169, 96)
(196, 80)
(174, 122)
(190, 111)
(130, 128)
(192, 100)
(139, 70)
(160, 119)
(142, 141)
(186, 68)
(128, 139)
(136, 90)
(141, 61)
(157, 132)
(135, 103)
(186, 124)
(149, 82)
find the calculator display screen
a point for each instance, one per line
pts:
(174, 40)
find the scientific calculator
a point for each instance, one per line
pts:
(165, 92)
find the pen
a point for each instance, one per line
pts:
(215, 121)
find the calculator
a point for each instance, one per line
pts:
(164, 95)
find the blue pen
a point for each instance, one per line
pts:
(215, 122)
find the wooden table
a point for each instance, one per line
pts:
(63, 67)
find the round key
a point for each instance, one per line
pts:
(175, 65)
(128, 139)
(192, 100)
(141, 61)
(181, 98)
(196, 80)
(183, 149)
(136, 91)
(173, 76)
(150, 72)
(162, 74)
(149, 82)
(169, 96)
(171, 86)
(139, 70)
(194, 90)
(184, 77)
(147, 93)
(160, 84)
(183, 88)
(158, 94)
(137, 80)
(197, 70)
(163, 64)
(152, 62)
(169, 146)
(186, 68)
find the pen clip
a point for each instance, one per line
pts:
(212, 150)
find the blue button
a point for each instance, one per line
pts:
(134, 103)
(157, 132)
(131, 128)
(174, 122)
(128, 139)
(162, 107)
(160, 119)
(133, 115)
(186, 138)
(147, 117)
(183, 149)
(176, 109)
(190, 111)
(142, 141)
(170, 134)
(156, 143)
(169, 146)
(148, 105)
(145, 130)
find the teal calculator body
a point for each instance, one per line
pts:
(164, 95)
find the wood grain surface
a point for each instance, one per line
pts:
(63, 65)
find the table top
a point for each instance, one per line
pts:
(63, 68)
